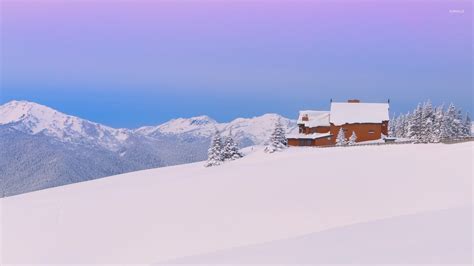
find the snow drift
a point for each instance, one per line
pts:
(186, 211)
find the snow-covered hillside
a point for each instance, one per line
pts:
(388, 202)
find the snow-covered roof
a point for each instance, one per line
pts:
(314, 118)
(342, 113)
(308, 136)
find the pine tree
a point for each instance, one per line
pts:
(215, 154)
(449, 126)
(467, 126)
(406, 125)
(399, 126)
(415, 122)
(277, 140)
(392, 126)
(231, 151)
(341, 138)
(458, 124)
(353, 138)
(426, 127)
(437, 123)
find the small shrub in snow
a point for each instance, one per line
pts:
(341, 138)
(277, 140)
(353, 138)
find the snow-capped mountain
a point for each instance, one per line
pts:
(246, 131)
(33, 118)
(41, 147)
(202, 126)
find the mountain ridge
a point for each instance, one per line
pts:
(42, 147)
(34, 118)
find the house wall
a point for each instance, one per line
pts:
(323, 141)
(293, 142)
(311, 130)
(321, 129)
(312, 142)
(363, 131)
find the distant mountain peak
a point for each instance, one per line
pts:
(33, 118)
(15, 111)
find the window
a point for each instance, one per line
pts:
(371, 131)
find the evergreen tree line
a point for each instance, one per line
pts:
(222, 149)
(427, 124)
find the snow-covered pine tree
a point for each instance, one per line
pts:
(467, 126)
(392, 126)
(277, 140)
(437, 123)
(341, 138)
(215, 153)
(399, 126)
(231, 151)
(353, 138)
(427, 117)
(406, 125)
(458, 124)
(416, 120)
(450, 126)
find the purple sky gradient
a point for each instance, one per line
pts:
(130, 63)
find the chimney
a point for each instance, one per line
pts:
(305, 117)
(353, 101)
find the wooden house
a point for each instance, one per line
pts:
(369, 121)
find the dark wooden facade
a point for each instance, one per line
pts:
(323, 141)
(364, 132)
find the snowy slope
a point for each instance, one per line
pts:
(177, 212)
(435, 237)
(33, 118)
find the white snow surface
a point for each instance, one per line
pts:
(342, 113)
(35, 118)
(315, 118)
(292, 204)
(431, 238)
